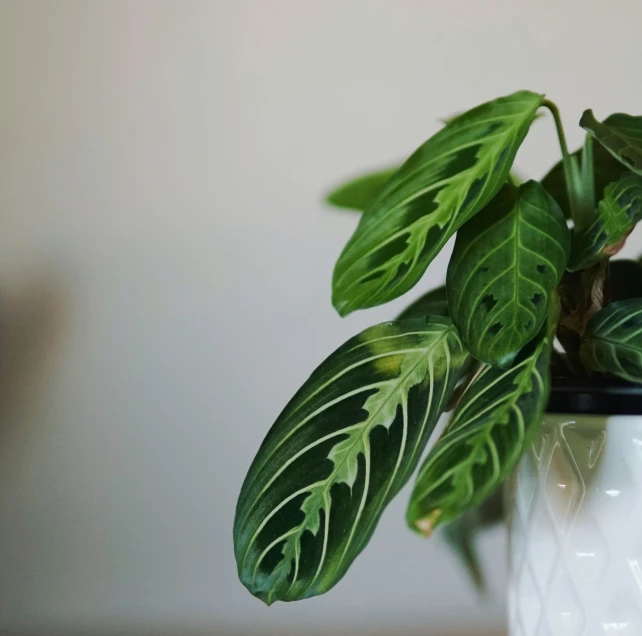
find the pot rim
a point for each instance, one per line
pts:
(596, 395)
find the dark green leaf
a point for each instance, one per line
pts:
(443, 184)
(620, 134)
(485, 437)
(625, 280)
(613, 340)
(617, 214)
(339, 452)
(359, 193)
(607, 169)
(433, 303)
(462, 533)
(506, 264)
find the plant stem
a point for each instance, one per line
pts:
(572, 175)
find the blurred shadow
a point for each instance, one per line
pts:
(31, 321)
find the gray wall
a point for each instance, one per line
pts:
(165, 264)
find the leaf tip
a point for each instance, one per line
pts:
(426, 525)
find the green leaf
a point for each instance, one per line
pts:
(359, 193)
(617, 214)
(433, 303)
(506, 263)
(613, 340)
(620, 134)
(462, 533)
(339, 452)
(442, 185)
(485, 437)
(606, 169)
(625, 280)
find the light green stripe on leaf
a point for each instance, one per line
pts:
(617, 214)
(442, 185)
(505, 266)
(342, 448)
(613, 340)
(620, 134)
(485, 437)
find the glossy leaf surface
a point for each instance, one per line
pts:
(342, 448)
(620, 134)
(485, 437)
(617, 214)
(506, 264)
(359, 193)
(442, 185)
(606, 170)
(432, 303)
(613, 340)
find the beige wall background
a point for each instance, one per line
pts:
(165, 263)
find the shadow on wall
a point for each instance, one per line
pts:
(31, 323)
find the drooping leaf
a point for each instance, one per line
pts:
(485, 437)
(617, 214)
(342, 448)
(359, 193)
(433, 303)
(620, 134)
(606, 169)
(462, 534)
(442, 185)
(506, 264)
(625, 280)
(613, 340)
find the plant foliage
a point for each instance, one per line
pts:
(531, 266)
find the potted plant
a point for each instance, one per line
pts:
(531, 301)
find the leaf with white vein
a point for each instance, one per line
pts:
(505, 266)
(342, 448)
(620, 134)
(613, 340)
(493, 423)
(617, 214)
(442, 185)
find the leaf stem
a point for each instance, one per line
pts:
(572, 174)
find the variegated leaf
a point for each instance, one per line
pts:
(617, 214)
(342, 448)
(433, 303)
(442, 185)
(506, 264)
(485, 437)
(613, 340)
(359, 193)
(620, 134)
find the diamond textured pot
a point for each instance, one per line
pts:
(576, 517)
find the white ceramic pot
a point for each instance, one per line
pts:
(576, 526)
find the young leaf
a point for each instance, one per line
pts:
(620, 134)
(492, 424)
(613, 340)
(606, 169)
(339, 452)
(359, 193)
(433, 303)
(505, 266)
(617, 214)
(442, 185)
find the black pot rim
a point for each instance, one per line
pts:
(597, 395)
